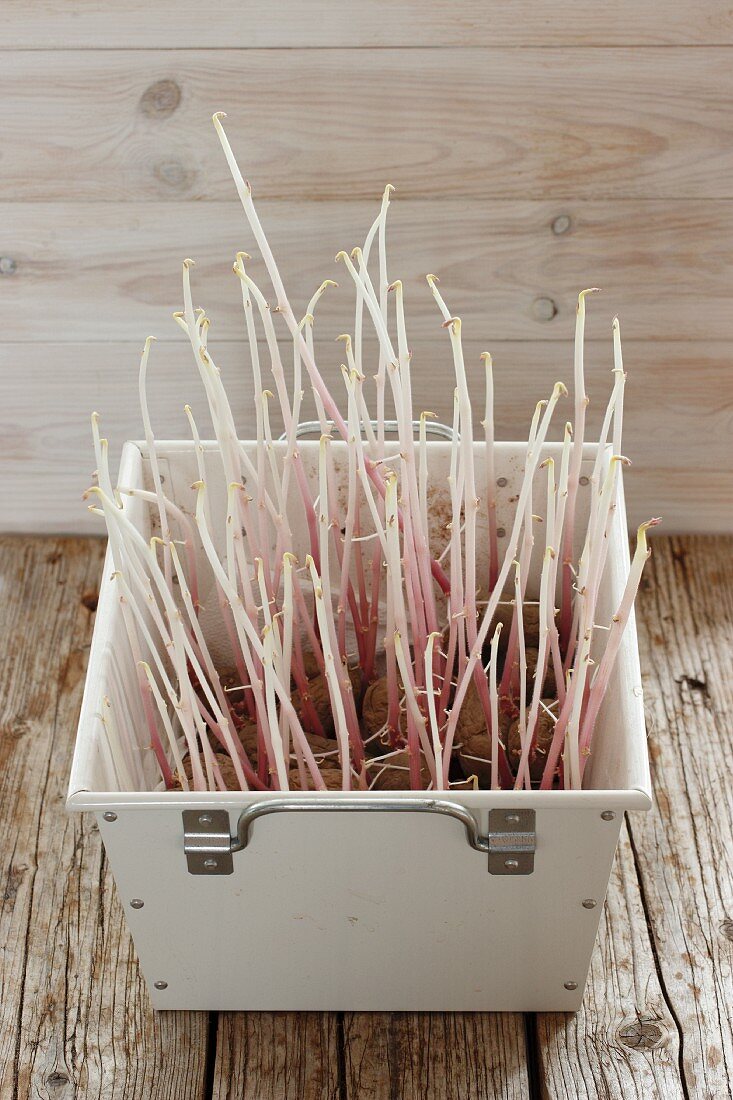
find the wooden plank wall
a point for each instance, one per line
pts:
(536, 149)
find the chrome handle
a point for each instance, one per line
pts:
(432, 427)
(510, 844)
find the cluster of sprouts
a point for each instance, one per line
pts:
(400, 649)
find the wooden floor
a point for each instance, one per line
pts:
(75, 1020)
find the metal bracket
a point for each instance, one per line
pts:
(512, 842)
(209, 847)
(391, 427)
(207, 843)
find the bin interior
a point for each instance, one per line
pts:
(619, 759)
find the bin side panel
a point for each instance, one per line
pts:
(373, 912)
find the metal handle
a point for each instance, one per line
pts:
(358, 805)
(432, 427)
(510, 844)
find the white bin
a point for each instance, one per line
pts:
(360, 910)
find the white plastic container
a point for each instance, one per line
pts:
(360, 910)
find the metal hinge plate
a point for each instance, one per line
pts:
(512, 842)
(207, 843)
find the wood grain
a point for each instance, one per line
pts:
(683, 849)
(75, 1020)
(464, 1056)
(112, 271)
(277, 1056)
(678, 470)
(478, 122)
(624, 1041)
(54, 24)
(656, 1019)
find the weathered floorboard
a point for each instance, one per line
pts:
(684, 847)
(624, 1040)
(323, 123)
(169, 24)
(75, 1020)
(656, 1019)
(277, 1056)
(461, 1056)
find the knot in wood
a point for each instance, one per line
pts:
(173, 174)
(57, 1080)
(544, 309)
(161, 99)
(641, 1033)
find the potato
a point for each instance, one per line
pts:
(538, 754)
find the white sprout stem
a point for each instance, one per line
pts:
(470, 499)
(254, 352)
(509, 677)
(383, 300)
(196, 634)
(581, 402)
(559, 518)
(393, 692)
(353, 388)
(395, 563)
(186, 528)
(488, 426)
(250, 644)
(223, 605)
(456, 647)
(167, 724)
(522, 658)
(361, 278)
(423, 478)
(288, 651)
(416, 734)
(180, 648)
(282, 393)
(432, 710)
(546, 600)
(101, 454)
(619, 382)
(272, 718)
(567, 727)
(494, 696)
(401, 387)
(348, 536)
(332, 678)
(337, 525)
(236, 563)
(493, 601)
(342, 673)
(221, 413)
(153, 459)
(245, 195)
